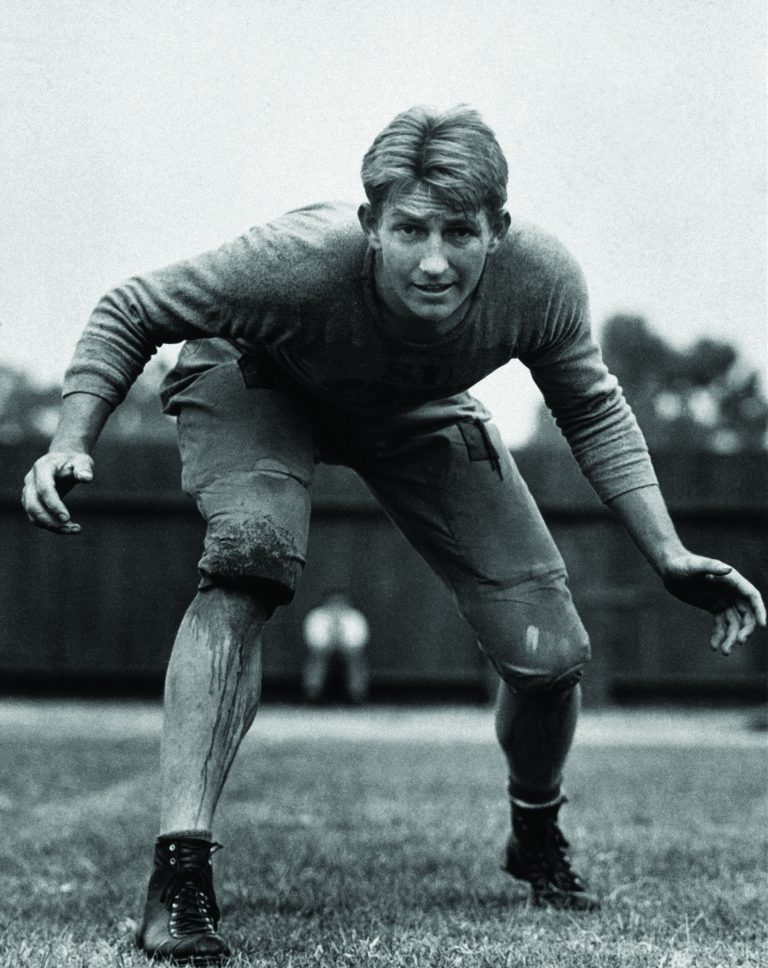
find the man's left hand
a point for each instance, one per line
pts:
(712, 585)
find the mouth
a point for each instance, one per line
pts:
(434, 289)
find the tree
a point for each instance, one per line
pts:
(28, 409)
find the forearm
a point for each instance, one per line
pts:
(223, 292)
(590, 410)
(644, 514)
(82, 419)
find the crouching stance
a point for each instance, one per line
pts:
(353, 338)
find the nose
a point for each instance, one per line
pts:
(433, 261)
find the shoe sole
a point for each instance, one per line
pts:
(197, 961)
(558, 902)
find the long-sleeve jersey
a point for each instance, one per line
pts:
(302, 287)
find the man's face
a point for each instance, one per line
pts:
(429, 257)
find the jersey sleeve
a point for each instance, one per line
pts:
(584, 398)
(233, 291)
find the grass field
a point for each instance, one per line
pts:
(362, 851)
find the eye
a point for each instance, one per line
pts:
(462, 233)
(407, 230)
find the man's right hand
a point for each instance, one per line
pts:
(51, 477)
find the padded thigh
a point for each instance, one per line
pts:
(227, 427)
(457, 495)
(248, 459)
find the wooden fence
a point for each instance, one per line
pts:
(106, 603)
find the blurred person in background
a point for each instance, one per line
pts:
(352, 337)
(336, 634)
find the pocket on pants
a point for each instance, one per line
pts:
(479, 444)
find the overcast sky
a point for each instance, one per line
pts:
(134, 133)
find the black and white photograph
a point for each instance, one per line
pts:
(384, 484)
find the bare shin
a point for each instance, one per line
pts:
(535, 731)
(212, 690)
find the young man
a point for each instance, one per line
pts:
(310, 339)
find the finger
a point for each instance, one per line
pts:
(732, 626)
(45, 488)
(36, 513)
(708, 566)
(42, 518)
(749, 594)
(748, 620)
(758, 607)
(81, 468)
(71, 527)
(748, 623)
(718, 632)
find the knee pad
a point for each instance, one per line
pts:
(255, 554)
(257, 528)
(532, 633)
(549, 662)
(527, 681)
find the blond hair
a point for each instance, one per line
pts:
(453, 153)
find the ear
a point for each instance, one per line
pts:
(369, 223)
(502, 224)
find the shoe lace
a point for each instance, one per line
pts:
(545, 848)
(189, 896)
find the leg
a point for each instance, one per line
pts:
(247, 457)
(454, 491)
(211, 696)
(543, 649)
(247, 460)
(535, 732)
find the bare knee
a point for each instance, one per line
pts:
(218, 646)
(232, 609)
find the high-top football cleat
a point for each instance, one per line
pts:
(536, 852)
(181, 914)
